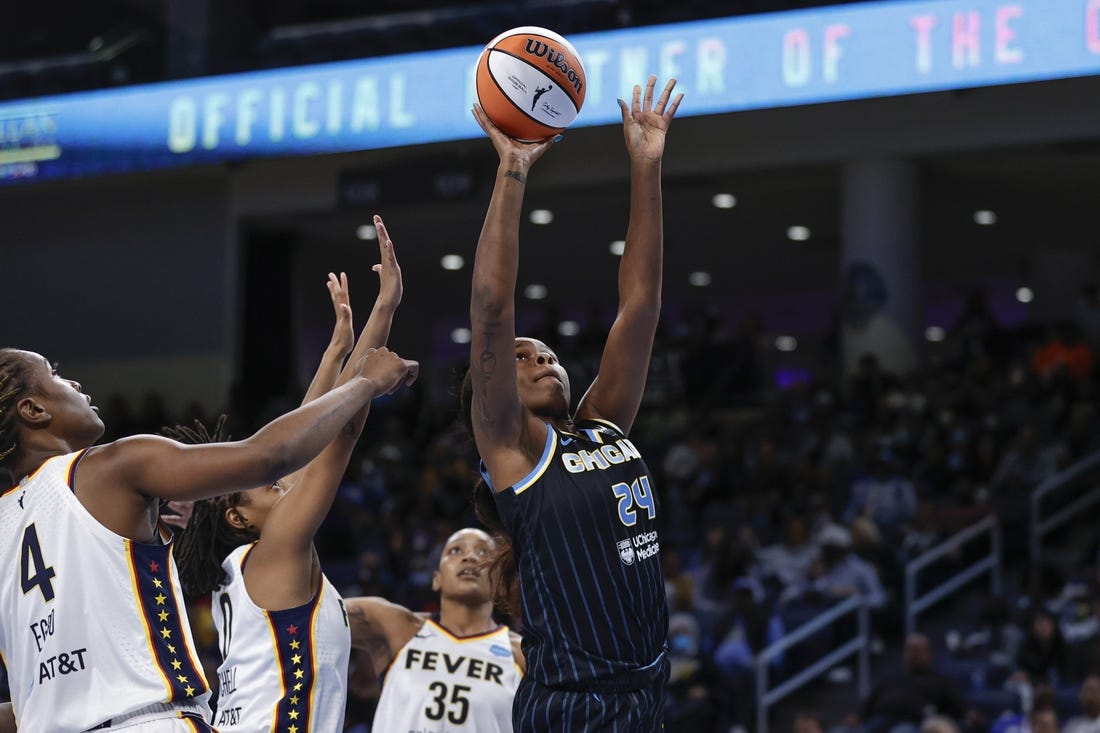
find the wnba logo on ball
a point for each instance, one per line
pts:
(539, 49)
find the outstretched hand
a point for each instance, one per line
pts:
(509, 149)
(645, 122)
(387, 370)
(390, 287)
(343, 334)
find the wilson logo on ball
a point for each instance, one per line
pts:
(558, 59)
(530, 82)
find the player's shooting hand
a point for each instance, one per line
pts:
(512, 152)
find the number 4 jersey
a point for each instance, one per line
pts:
(441, 683)
(92, 625)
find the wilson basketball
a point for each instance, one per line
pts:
(530, 82)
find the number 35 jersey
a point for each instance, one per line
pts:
(92, 625)
(441, 683)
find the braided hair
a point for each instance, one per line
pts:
(506, 596)
(14, 380)
(209, 537)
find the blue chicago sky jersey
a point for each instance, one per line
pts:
(584, 526)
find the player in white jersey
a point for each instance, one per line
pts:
(455, 673)
(92, 626)
(281, 668)
(282, 626)
(77, 582)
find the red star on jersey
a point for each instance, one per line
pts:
(292, 629)
(153, 567)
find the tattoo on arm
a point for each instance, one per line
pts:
(487, 365)
(517, 175)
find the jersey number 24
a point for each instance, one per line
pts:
(633, 497)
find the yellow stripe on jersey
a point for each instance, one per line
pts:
(278, 661)
(38, 470)
(315, 675)
(547, 456)
(182, 604)
(70, 471)
(131, 565)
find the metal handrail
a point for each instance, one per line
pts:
(858, 645)
(1042, 527)
(990, 563)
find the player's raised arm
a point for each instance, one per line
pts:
(506, 437)
(280, 568)
(48, 415)
(159, 467)
(617, 391)
(341, 343)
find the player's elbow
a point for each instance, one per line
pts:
(644, 309)
(489, 303)
(271, 462)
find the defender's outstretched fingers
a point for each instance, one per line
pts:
(665, 94)
(671, 111)
(650, 83)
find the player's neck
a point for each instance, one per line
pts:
(463, 619)
(32, 459)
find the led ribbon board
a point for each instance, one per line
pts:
(747, 62)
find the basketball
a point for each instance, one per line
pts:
(530, 82)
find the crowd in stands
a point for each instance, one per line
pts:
(780, 502)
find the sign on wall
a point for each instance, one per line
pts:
(747, 62)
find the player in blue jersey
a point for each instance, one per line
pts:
(283, 628)
(94, 630)
(572, 492)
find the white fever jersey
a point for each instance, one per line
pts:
(281, 671)
(92, 625)
(441, 683)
